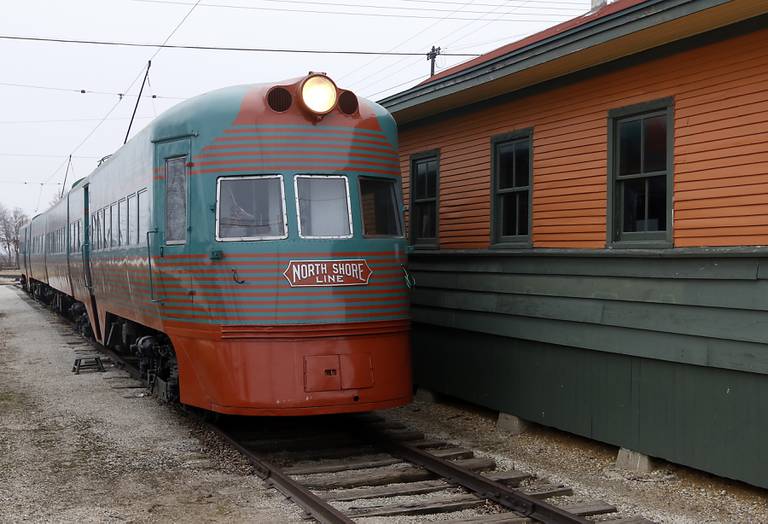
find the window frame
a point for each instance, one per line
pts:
(168, 160)
(497, 239)
(252, 239)
(398, 210)
(615, 213)
(298, 207)
(424, 242)
(142, 195)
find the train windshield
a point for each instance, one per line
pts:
(378, 198)
(251, 208)
(323, 203)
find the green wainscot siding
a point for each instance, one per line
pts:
(665, 355)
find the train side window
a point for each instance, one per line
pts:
(133, 231)
(143, 217)
(381, 214)
(512, 173)
(425, 181)
(122, 208)
(95, 235)
(176, 200)
(250, 208)
(114, 226)
(323, 204)
(105, 224)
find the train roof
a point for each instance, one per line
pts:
(219, 107)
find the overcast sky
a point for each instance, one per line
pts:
(44, 117)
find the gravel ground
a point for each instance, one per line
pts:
(74, 449)
(670, 494)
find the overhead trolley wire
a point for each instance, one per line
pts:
(412, 37)
(465, 26)
(120, 99)
(344, 4)
(323, 12)
(80, 91)
(214, 48)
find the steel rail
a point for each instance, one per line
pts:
(315, 507)
(484, 487)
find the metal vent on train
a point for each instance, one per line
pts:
(348, 102)
(279, 99)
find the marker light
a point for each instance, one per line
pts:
(318, 93)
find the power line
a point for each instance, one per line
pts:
(30, 183)
(446, 2)
(120, 99)
(79, 91)
(412, 37)
(462, 28)
(42, 155)
(216, 48)
(323, 12)
(339, 4)
(66, 120)
(420, 77)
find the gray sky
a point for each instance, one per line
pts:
(39, 128)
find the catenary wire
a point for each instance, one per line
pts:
(80, 91)
(337, 4)
(120, 99)
(212, 48)
(321, 12)
(412, 37)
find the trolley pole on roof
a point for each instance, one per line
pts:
(431, 57)
(66, 174)
(138, 99)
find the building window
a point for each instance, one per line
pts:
(640, 170)
(425, 174)
(512, 174)
(381, 214)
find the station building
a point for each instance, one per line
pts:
(588, 212)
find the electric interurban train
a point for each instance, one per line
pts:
(247, 249)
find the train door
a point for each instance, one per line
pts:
(68, 243)
(173, 216)
(85, 251)
(27, 242)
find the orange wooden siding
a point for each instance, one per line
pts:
(720, 154)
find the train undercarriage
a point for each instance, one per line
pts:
(150, 351)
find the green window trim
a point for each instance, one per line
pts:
(616, 236)
(417, 241)
(521, 239)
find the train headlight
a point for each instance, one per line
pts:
(318, 94)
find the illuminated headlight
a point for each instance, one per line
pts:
(318, 94)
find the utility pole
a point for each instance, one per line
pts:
(431, 57)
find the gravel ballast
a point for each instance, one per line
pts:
(670, 494)
(73, 448)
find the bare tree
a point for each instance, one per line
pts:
(10, 228)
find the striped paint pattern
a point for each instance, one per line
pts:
(195, 289)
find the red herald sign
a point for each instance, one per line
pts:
(324, 273)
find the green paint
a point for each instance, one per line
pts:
(706, 418)
(663, 355)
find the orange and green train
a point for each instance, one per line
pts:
(246, 249)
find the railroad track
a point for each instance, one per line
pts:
(349, 468)
(343, 469)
